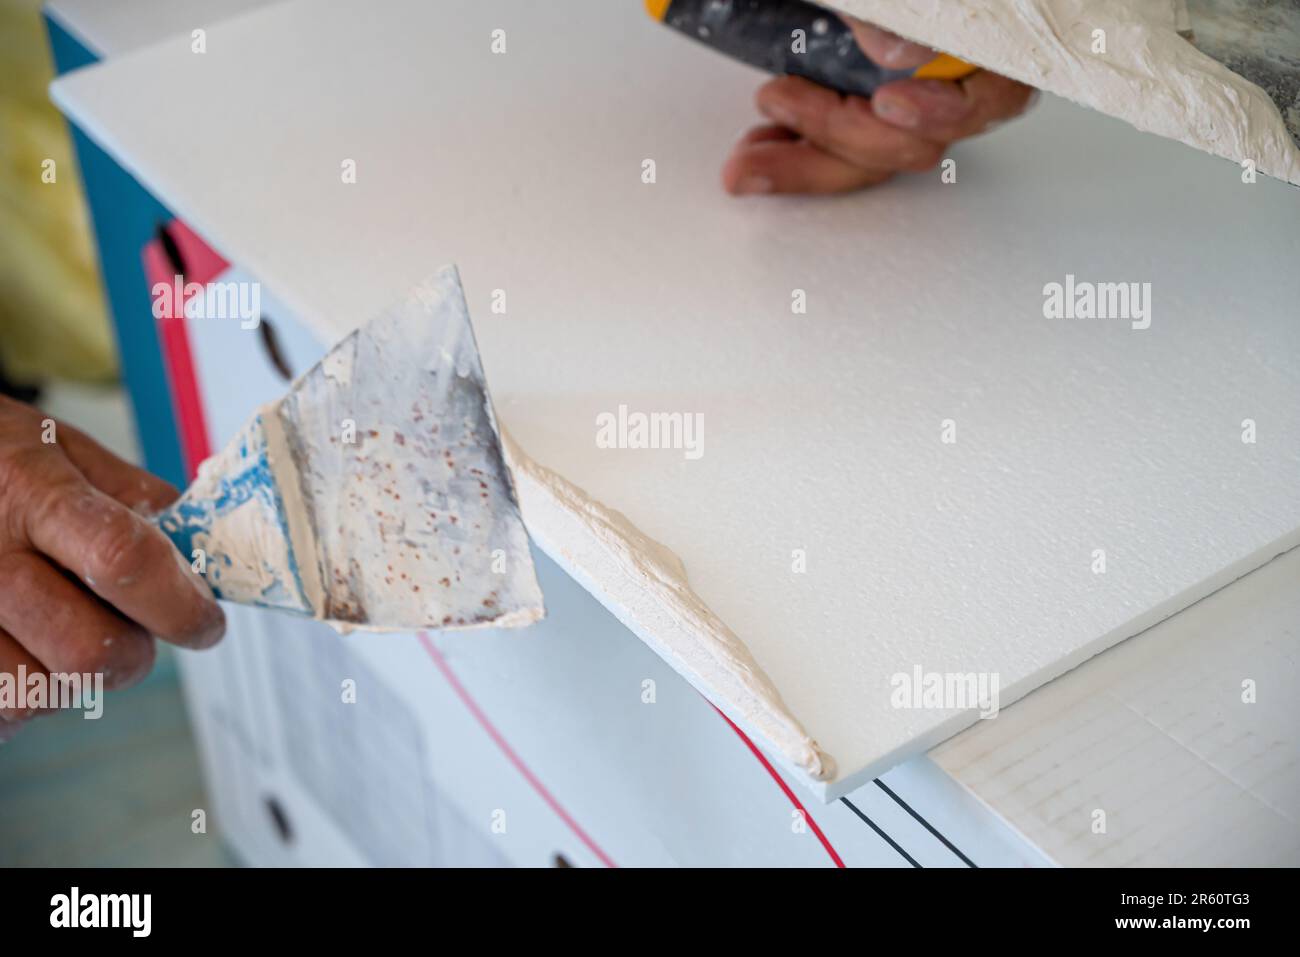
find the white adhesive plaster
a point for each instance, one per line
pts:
(1148, 74)
(647, 587)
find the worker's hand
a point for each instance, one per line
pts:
(822, 142)
(85, 580)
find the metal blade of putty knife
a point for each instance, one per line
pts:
(374, 494)
(1256, 39)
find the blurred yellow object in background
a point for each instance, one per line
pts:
(53, 318)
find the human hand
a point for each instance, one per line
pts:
(85, 579)
(820, 141)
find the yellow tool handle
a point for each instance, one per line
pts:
(944, 67)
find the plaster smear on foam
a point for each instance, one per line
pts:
(645, 585)
(1149, 75)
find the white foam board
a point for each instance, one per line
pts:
(822, 431)
(109, 28)
(409, 772)
(1177, 748)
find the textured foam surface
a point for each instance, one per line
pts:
(822, 431)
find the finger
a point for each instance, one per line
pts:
(133, 487)
(735, 178)
(767, 133)
(888, 49)
(798, 166)
(998, 99)
(845, 126)
(66, 629)
(924, 107)
(17, 663)
(944, 111)
(125, 560)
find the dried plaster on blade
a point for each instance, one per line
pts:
(1149, 75)
(240, 521)
(645, 585)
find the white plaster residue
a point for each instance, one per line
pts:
(259, 557)
(645, 584)
(337, 366)
(295, 521)
(236, 521)
(1149, 75)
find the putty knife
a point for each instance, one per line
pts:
(375, 493)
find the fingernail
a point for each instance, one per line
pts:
(782, 114)
(212, 629)
(940, 100)
(897, 110)
(754, 185)
(900, 53)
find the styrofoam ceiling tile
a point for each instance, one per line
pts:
(822, 432)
